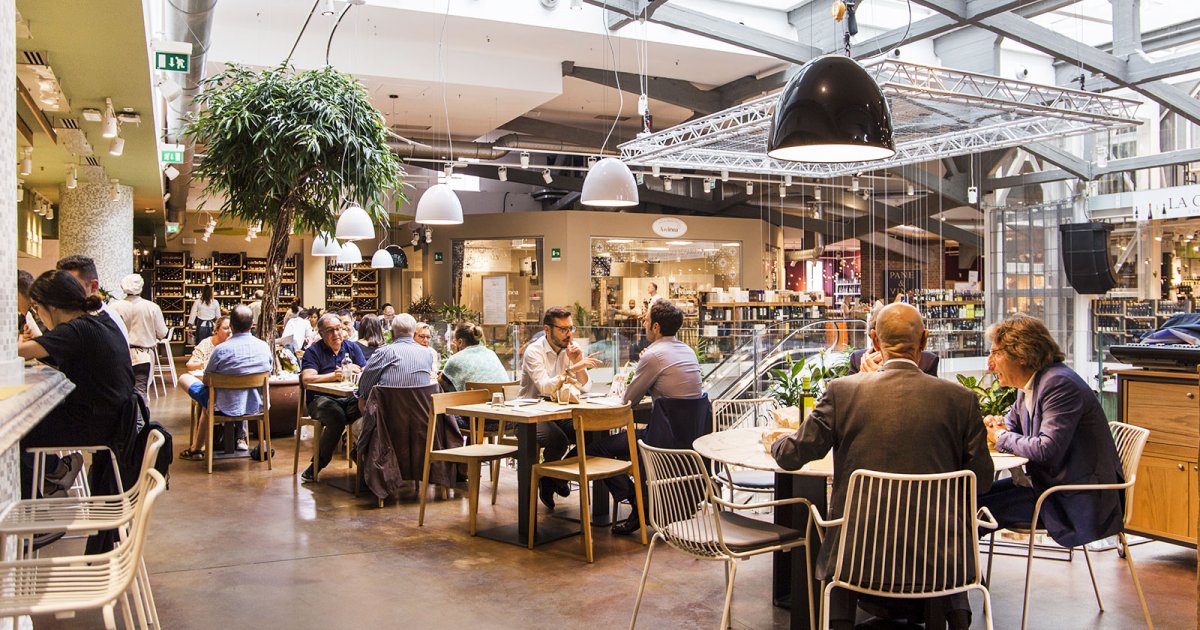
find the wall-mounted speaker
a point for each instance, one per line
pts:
(1085, 256)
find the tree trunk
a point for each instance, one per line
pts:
(276, 256)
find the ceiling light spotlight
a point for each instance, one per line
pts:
(591, 163)
(817, 193)
(577, 5)
(171, 172)
(72, 177)
(749, 188)
(20, 190)
(853, 184)
(724, 176)
(329, 10)
(428, 234)
(108, 128)
(972, 195)
(116, 189)
(831, 87)
(502, 173)
(169, 90)
(524, 159)
(708, 185)
(546, 176)
(609, 184)
(416, 238)
(116, 147)
(655, 170)
(26, 162)
(667, 184)
(787, 180)
(166, 197)
(911, 191)
(640, 178)
(782, 191)
(866, 194)
(448, 170)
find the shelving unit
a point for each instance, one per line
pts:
(179, 280)
(955, 321)
(351, 285)
(1125, 320)
(846, 288)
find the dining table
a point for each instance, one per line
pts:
(526, 418)
(743, 447)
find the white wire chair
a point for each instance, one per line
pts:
(737, 413)
(909, 537)
(65, 585)
(687, 515)
(1130, 442)
(75, 515)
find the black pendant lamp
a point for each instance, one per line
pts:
(831, 111)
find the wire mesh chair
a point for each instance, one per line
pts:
(908, 536)
(64, 585)
(687, 515)
(75, 515)
(1130, 442)
(737, 413)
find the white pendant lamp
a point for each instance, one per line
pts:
(108, 127)
(382, 259)
(350, 254)
(325, 245)
(610, 184)
(439, 206)
(354, 225)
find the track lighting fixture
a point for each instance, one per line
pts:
(416, 238)
(171, 172)
(749, 188)
(26, 162)
(524, 159)
(502, 173)
(853, 184)
(972, 195)
(667, 184)
(329, 8)
(817, 193)
(782, 191)
(724, 176)
(116, 189)
(108, 128)
(72, 177)
(655, 170)
(116, 147)
(547, 177)
(911, 191)
(787, 180)
(428, 234)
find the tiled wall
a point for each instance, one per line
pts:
(92, 224)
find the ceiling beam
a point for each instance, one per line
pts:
(673, 91)
(1060, 158)
(935, 25)
(722, 30)
(1141, 70)
(647, 9)
(1167, 158)
(881, 216)
(786, 220)
(556, 131)
(748, 87)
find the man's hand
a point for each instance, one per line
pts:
(871, 361)
(995, 424)
(574, 353)
(587, 363)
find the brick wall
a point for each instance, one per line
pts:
(875, 261)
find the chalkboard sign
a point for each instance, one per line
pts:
(898, 281)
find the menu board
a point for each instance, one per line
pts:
(495, 300)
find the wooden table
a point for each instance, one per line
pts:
(527, 418)
(743, 447)
(337, 389)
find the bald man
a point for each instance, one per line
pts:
(897, 419)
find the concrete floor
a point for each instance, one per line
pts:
(250, 548)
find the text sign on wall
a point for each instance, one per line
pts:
(669, 227)
(897, 281)
(495, 300)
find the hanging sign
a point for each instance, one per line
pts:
(555, 254)
(170, 153)
(172, 56)
(669, 227)
(900, 282)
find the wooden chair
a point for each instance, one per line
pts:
(473, 455)
(302, 420)
(584, 469)
(479, 432)
(263, 417)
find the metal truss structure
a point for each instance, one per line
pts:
(936, 113)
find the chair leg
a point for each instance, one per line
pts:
(110, 621)
(296, 450)
(825, 593)
(585, 517)
(208, 443)
(533, 501)
(473, 474)
(987, 608)
(991, 558)
(727, 615)
(316, 450)
(153, 608)
(1028, 580)
(1137, 584)
(495, 479)
(1095, 587)
(423, 489)
(637, 603)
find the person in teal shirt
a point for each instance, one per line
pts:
(472, 362)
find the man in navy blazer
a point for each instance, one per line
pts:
(1058, 425)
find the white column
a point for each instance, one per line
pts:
(94, 222)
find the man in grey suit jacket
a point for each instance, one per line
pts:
(897, 420)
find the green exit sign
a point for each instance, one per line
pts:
(170, 153)
(555, 253)
(171, 62)
(437, 258)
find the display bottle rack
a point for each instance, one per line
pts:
(354, 285)
(1118, 321)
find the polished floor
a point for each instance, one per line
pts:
(250, 548)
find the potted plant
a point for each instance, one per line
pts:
(286, 149)
(994, 399)
(423, 309)
(788, 384)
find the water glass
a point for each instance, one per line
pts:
(564, 396)
(497, 399)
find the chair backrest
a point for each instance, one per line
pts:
(1130, 442)
(243, 381)
(602, 418)
(491, 388)
(453, 399)
(129, 553)
(681, 507)
(909, 534)
(735, 413)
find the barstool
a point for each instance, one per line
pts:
(162, 370)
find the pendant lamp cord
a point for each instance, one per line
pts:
(442, 67)
(301, 33)
(616, 76)
(329, 44)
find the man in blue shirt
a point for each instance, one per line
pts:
(322, 363)
(241, 354)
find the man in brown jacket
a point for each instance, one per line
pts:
(897, 420)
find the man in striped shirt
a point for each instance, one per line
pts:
(402, 363)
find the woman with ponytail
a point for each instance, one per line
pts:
(472, 362)
(91, 352)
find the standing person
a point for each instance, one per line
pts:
(668, 369)
(370, 335)
(90, 351)
(545, 365)
(239, 355)
(256, 309)
(205, 312)
(144, 321)
(652, 289)
(293, 310)
(84, 271)
(472, 362)
(300, 329)
(424, 337)
(896, 420)
(325, 361)
(1058, 425)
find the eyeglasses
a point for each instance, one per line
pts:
(424, 336)
(326, 331)
(564, 328)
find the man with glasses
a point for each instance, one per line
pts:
(545, 365)
(323, 362)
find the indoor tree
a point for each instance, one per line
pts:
(286, 150)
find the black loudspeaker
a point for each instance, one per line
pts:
(1085, 257)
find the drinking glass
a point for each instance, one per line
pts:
(564, 396)
(497, 399)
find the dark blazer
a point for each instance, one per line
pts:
(929, 362)
(677, 422)
(391, 444)
(896, 420)
(1067, 441)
